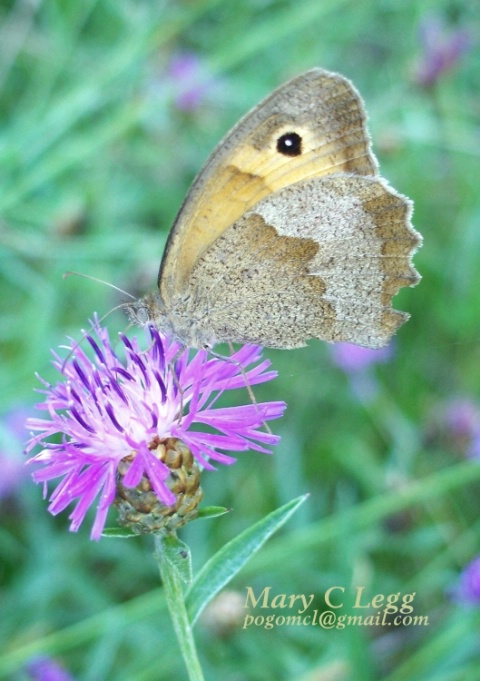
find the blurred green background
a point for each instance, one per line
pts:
(108, 109)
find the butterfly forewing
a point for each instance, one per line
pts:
(326, 113)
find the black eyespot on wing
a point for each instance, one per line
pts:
(290, 144)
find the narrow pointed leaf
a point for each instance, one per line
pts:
(212, 512)
(225, 564)
(119, 532)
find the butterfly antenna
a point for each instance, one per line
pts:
(98, 321)
(99, 281)
(92, 328)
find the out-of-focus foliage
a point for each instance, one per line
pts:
(108, 109)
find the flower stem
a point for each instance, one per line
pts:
(172, 585)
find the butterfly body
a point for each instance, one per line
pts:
(288, 233)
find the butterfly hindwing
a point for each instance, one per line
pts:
(329, 255)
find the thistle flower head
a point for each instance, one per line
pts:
(191, 80)
(454, 425)
(112, 414)
(354, 359)
(43, 668)
(442, 48)
(468, 588)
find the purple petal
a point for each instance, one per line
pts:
(108, 409)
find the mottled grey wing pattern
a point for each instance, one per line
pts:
(329, 254)
(288, 233)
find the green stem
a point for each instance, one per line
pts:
(172, 585)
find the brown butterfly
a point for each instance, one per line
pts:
(288, 232)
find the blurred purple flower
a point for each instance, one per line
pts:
(356, 362)
(474, 449)
(455, 425)
(108, 410)
(441, 50)
(191, 80)
(353, 359)
(462, 418)
(12, 463)
(47, 669)
(468, 587)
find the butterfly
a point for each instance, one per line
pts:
(288, 232)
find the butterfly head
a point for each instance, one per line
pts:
(177, 321)
(149, 310)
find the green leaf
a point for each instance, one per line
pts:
(225, 564)
(167, 551)
(212, 512)
(119, 532)
(178, 556)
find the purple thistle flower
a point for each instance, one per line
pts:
(47, 669)
(461, 419)
(468, 588)
(474, 448)
(455, 425)
(442, 49)
(356, 362)
(191, 80)
(354, 359)
(108, 410)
